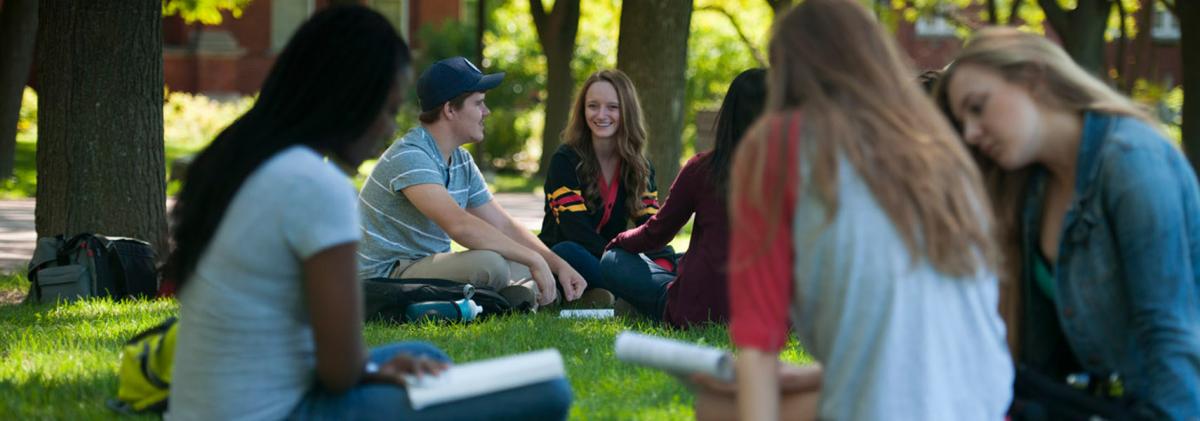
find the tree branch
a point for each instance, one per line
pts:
(538, 10)
(993, 18)
(1056, 16)
(778, 6)
(741, 34)
(1016, 9)
(565, 18)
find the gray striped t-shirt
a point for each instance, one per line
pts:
(393, 228)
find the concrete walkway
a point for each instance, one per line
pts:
(18, 237)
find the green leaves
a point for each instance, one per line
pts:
(207, 12)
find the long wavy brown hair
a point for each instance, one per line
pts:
(831, 60)
(630, 140)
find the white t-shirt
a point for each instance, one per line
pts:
(245, 347)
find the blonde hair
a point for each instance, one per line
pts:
(630, 141)
(834, 61)
(1055, 80)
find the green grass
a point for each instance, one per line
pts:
(23, 182)
(61, 362)
(510, 182)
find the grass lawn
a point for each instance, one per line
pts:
(61, 362)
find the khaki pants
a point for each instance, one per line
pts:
(483, 268)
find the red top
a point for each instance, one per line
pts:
(608, 193)
(761, 279)
(698, 294)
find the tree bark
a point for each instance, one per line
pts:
(18, 31)
(556, 32)
(1014, 12)
(658, 70)
(100, 126)
(1081, 30)
(779, 6)
(1188, 14)
(480, 27)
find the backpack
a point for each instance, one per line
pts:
(89, 265)
(387, 298)
(144, 376)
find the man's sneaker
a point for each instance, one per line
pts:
(519, 297)
(594, 298)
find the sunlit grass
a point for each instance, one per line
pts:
(60, 362)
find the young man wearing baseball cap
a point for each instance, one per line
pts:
(426, 190)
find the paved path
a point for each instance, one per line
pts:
(17, 235)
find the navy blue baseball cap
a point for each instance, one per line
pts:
(452, 77)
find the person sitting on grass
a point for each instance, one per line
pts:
(864, 222)
(265, 233)
(1100, 218)
(598, 182)
(698, 294)
(426, 190)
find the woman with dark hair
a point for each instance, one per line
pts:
(599, 182)
(696, 293)
(271, 315)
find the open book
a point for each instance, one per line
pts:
(674, 356)
(476, 378)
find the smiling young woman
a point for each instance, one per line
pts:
(599, 182)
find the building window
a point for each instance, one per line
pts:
(1166, 28)
(396, 12)
(286, 18)
(934, 26)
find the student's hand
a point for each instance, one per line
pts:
(713, 385)
(612, 243)
(545, 282)
(401, 365)
(572, 282)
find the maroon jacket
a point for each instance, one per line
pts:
(699, 293)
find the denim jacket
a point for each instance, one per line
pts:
(1128, 301)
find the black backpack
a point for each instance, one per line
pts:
(90, 265)
(387, 298)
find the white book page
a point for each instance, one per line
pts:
(477, 378)
(674, 356)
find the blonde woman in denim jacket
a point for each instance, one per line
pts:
(1101, 218)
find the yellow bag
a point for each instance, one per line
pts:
(144, 378)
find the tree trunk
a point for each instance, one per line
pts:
(556, 32)
(18, 31)
(480, 27)
(779, 6)
(1081, 30)
(1188, 14)
(658, 70)
(100, 125)
(559, 85)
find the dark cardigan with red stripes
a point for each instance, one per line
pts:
(570, 217)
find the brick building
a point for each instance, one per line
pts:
(931, 43)
(233, 58)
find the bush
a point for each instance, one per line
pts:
(190, 122)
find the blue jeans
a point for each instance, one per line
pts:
(636, 279)
(549, 400)
(580, 259)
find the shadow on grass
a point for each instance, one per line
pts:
(75, 399)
